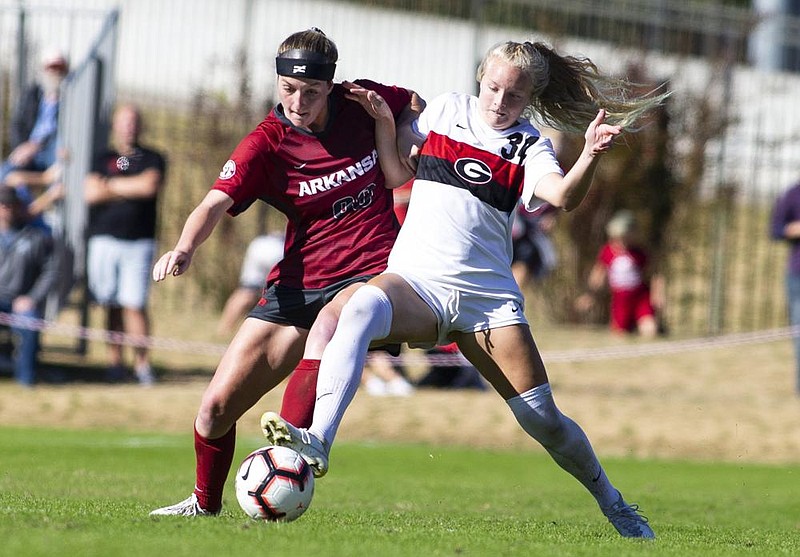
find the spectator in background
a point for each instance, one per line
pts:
(534, 255)
(122, 192)
(34, 124)
(451, 370)
(786, 226)
(49, 186)
(261, 255)
(28, 271)
(635, 297)
(384, 377)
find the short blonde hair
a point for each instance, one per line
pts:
(622, 223)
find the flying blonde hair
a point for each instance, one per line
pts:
(568, 91)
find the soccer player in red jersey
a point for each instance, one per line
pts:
(314, 158)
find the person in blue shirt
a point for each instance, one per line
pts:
(786, 227)
(35, 122)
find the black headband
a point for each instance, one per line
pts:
(304, 63)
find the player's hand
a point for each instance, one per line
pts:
(373, 103)
(600, 136)
(412, 161)
(24, 153)
(584, 303)
(23, 304)
(173, 263)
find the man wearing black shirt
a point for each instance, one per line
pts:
(122, 192)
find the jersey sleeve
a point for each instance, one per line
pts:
(605, 256)
(245, 172)
(396, 97)
(434, 110)
(99, 164)
(159, 163)
(541, 160)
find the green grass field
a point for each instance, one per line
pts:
(88, 493)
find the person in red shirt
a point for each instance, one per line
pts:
(314, 158)
(635, 297)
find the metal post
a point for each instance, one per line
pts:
(22, 53)
(716, 316)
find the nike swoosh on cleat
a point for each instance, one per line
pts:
(322, 395)
(300, 166)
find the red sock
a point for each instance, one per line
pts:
(214, 458)
(300, 395)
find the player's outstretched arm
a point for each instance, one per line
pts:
(394, 170)
(198, 228)
(569, 191)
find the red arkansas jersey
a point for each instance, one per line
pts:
(328, 184)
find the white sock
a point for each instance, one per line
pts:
(367, 316)
(566, 442)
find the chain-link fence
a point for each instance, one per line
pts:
(702, 183)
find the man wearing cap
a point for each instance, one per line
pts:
(35, 121)
(28, 271)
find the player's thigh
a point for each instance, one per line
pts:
(412, 319)
(325, 323)
(507, 357)
(333, 309)
(134, 273)
(258, 358)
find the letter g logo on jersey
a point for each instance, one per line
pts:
(228, 170)
(473, 171)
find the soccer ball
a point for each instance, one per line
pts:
(275, 484)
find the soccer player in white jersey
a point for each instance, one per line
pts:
(449, 273)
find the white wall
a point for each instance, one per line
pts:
(174, 48)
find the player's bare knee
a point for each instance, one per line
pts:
(211, 416)
(321, 332)
(648, 327)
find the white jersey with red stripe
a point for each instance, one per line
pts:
(469, 180)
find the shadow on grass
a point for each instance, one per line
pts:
(60, 365)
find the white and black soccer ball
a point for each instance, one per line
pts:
(274, 483)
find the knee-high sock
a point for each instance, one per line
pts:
(566, 442)
(297, 406)
(366, 316)
(214, 458)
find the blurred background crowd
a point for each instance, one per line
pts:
(686, 207)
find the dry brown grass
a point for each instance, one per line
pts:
(734, 404)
